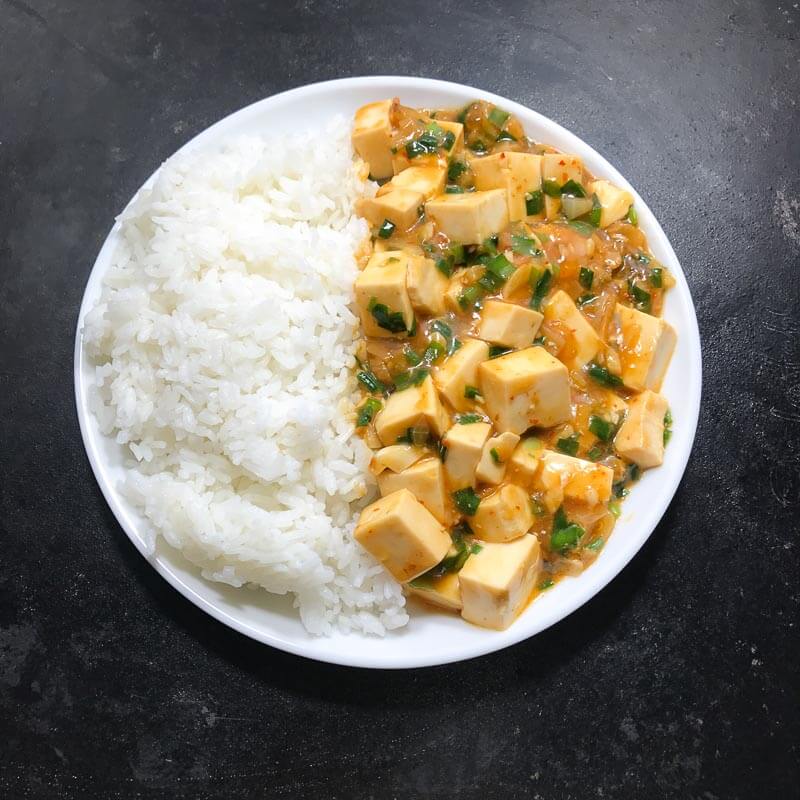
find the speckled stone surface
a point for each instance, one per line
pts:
(679, 680)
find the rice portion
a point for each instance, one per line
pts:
(224, 343)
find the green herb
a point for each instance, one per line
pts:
(475, 548)
(534, 202)
(416, 148)
(595, 454)
(602, 376)
(596, 545)
(634, 472)
(596, 214)
(469, 296)
(569, 444)
(455, 170)
(505, 136)
(469, 419)
(542, 287)
(411, 356)
(601, 428)
(370, 381)
(565, 535)
(405, 438)
(551, 188)
(445, 266)
(574, 188)
(501, 268)
(367, 411)
(668, 418)
(442, 451)
(498, 117)
(667, 427)
(657, 277)
(457, 253)
(540, 341)
(449, 140)
(466, 501)
(440, 326)
(453, 188)
(586, 277)
(432, 352)
(386, 229)
(618, 489)
(537, 508)
(477, 146)
(641, 257)
(471, 392)
(615, 508)
(641, 298)
(586, 298)
(388, 320)
(524, 246)
(412, 377)
(495, 455)
(545, 584)
(497, 350)
(667, 436)
(632, 216)
(584, 228)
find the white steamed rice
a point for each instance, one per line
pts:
(224, 342)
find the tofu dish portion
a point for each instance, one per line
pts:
(512, 355)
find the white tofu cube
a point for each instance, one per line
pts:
(640, 438)
(523, 466)
(425, 480)
(427, 181)
(564, 477)
(383, 282)
(444, 592)
(516, 173)
(426, 286)
(495, 457)
(497, 582)
(581, 341)
(614, 202)
(395, 457)
(508, 324)
(372, 137)
(459, 371)
(524, 389)
(504, 515)
(402, 534)
(464, 445)
(409, 408)
(645, 346)
(557, 169)
(469, 218)
(402, 207)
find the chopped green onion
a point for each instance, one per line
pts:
(551, 188)
(388, 320)
(432, 352)
(416, 148)
(445, 266)
(449, 140)
(495, 456)
(498, 117)
(585, 298)
(596, 214)
(540, 341)
(367, 411)
(471, 392)
(469, 419)
(457, 253)
(469, 296)
(413, 377)
(565, 535)
(440, 326)
(501, 267)
(411, 356)
(497, 350)
(667, 427)
(601, 428)
(568, 445)
(602, 376)
(537, 508)
(386, 229)
(641, 298)
(596, 545)
(618, 489)
(419, 435)
(667, 436)
(586, 277)
(545, 584)
(595, 454)
(534, 202)
(453, 188)
(477, 146)
(542, 287)
(657, 277)
(475, 548)
(615, 508)
(455, 170)
(524, 246)
(574, 188)
(632, 216)
(668, 418)
(505, 136)
(641, 258)
(370, 381)
(583, 228)
(466, 501)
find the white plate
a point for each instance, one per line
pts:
(430, 638)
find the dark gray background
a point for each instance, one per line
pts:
(679, 680)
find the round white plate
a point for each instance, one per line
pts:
(430, 638)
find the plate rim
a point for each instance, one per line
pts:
(494, 641)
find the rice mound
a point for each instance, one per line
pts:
(224, 343)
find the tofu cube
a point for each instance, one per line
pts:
(402, 534)
(402, 207)
(459, 371)
(564, 477)
(426, 286)
(508, 324)
(497, 582)
(415, 406)
(372, 137)
(444, 592)
(469, 218)
(504, 515)
(495, 457)
(425, 480)
(457, 129)
(559, 168)
(641, 436)
(524, 389)
(645, 346)
(517, 174)
(401, 161)
(427, 181)
(395, 457)
(523, 466)
(384, 281)
(582, 342)
(614, 202)
(464, 445)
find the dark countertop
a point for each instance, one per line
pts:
(679, 680)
